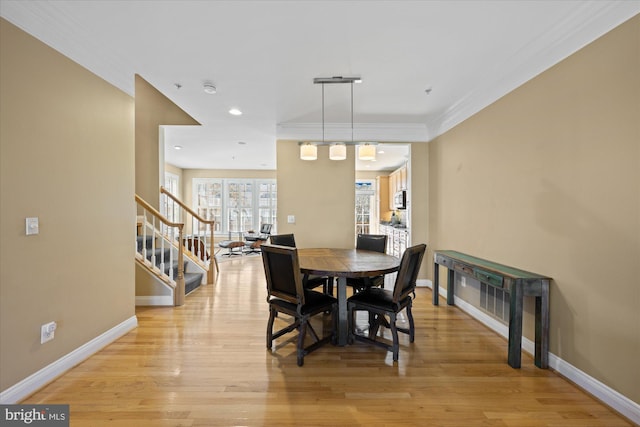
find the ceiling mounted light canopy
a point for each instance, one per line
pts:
(337, 150)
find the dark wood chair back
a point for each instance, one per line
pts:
(284, 240)
(408, 273)
(372, 242)
(282, 271)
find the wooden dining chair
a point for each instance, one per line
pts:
(309, 281)
(287, 295)
(381, 302)
(369, 242)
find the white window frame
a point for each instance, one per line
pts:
(255, 202)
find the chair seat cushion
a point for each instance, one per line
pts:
(377, 298)
(314, 302)
(230, 244)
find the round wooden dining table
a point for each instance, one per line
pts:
(342, 264)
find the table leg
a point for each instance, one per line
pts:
(343, 321)
(542, 327)
(436, 284)
(515, 325)
(450, 286)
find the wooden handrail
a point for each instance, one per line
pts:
(212, 261)
(178, 292)
(157, 214)
(185, 207)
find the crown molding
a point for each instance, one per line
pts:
(588, 22)
(389, 132)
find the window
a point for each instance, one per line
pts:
(236, 204)
(170, 208)
(365, 203)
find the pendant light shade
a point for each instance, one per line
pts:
(338, 151)
(367, 152)
(308, 152)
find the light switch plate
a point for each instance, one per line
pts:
(32, 226)
(291, 219)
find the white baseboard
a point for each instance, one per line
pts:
(606, 394)
(615, 400)
(34, 382)
(154, 300)
(424, 283)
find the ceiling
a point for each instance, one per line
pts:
(426, 65)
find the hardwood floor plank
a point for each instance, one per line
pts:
(206, 364)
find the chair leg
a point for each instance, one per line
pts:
(301, 334)
(334, 325)
(329, 286)
(411, 325)
(352, 323)
(374, 324)
(394, 333)
(272, 317)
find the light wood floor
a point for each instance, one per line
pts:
(206, 364)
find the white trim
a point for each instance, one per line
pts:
(604, 393)
(424, 283)
(588, 22)
(34, 382)
(388, 132)
(163, 300)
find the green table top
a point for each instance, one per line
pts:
(501, 269)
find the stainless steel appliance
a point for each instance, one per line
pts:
(400, 200)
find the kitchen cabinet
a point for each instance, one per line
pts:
(382, 198)
(397, 239)
(397, 182)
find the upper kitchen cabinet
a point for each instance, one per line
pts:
(397, 182)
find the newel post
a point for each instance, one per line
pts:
(178, 297)
(211, 274)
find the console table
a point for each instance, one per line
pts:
(517, 283)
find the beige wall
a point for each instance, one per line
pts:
(418, 177)
(548, 179)
(321, 195)
(66, 157)
(153, 110)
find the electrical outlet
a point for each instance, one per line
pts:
(463, 281)
(291, 219)
(47, 332)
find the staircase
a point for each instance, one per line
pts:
(165, 251)
(161, 258)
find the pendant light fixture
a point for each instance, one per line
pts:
(308, 151)
(367, 152)
(337, 150)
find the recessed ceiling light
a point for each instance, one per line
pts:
(209, 88)
(235, 112)
(428, 91)
(177, 147)
(242, 143)
(381, 152)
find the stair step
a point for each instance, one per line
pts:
(191, 282)
(141, 239)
